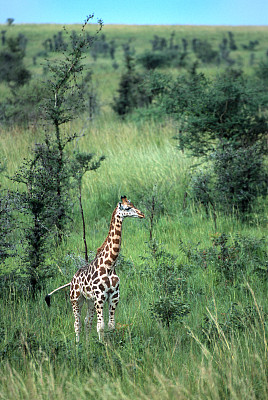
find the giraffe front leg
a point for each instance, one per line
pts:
(89, 317)
(100, 320)
(77, 306)
(113, 301)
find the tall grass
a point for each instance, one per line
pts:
(143, 360)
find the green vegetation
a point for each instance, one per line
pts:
(192, 317)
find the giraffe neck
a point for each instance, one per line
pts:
(109, 250)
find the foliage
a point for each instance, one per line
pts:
(232, 43)
(66, 97)
(101, 47)
(262, 71)
(204, 51)
(130, 93)
(12, 69)
(152, 200)
(241, 177)
(223, 123)
(232, 258)
(200, 188)
(153, 60)
(6, 222)
(168, 306)
(39, 202)
(176, 97)
(57, 43)
(24, 106)
(237, 319)
(10, 21)
(61, 106)
(226, 111)
(82, 163)
(160, 59)
(47, 200)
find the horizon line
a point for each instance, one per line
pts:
(130, 24)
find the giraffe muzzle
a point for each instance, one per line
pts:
(141, 215)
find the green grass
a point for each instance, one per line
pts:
(143, 359)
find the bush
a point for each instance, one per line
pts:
(131, 93)
(6, 222)
(165, 58)
(24, 106)
(11, 60)
(221, 122)
(231, 258)
(169, 306)
(241, 177)
(204, 51)
(152, 60)
(236, 319)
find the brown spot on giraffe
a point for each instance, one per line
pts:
(113, 256)
(95, 275)
(115, 280)
(101, 287)
(103, 271)
(106, 280)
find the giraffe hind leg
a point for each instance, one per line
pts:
(77, 307)
(89, 317)
(100, 320)
(113, 301)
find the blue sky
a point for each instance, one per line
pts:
(160, 12)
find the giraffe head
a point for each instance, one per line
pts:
(127, 209)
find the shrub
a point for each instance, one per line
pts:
(46, 201)
(241, 177)
(169, 305)
(152, 60)
(165, 58)
(223, 124)
(204, 51)
(6, 222)
(24, 107)
(131, 93)
(236, 319)
(231, 258)
(11, 59)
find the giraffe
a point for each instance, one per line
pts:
(97, 282)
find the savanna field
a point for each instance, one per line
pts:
(192, 318)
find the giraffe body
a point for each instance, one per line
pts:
(97, 282)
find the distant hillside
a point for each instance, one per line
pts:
(242, 47)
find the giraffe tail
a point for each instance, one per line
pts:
(47, 298)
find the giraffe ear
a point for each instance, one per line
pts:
(124, 199)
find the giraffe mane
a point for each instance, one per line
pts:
(99, 250)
